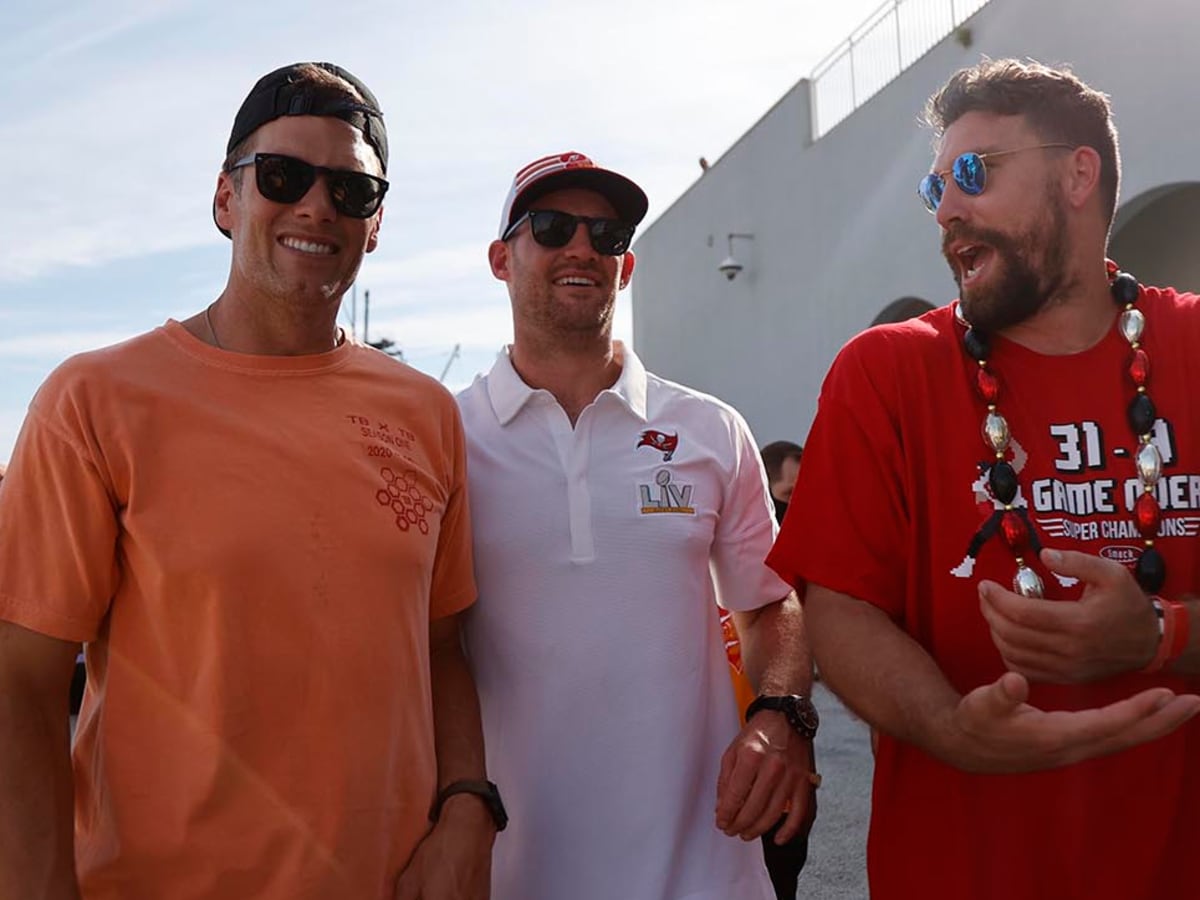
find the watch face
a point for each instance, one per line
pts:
(803, 716)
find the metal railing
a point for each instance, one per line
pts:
(892, 38)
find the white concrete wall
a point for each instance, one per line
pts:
(839, 231)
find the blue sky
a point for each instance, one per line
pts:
(116, 114)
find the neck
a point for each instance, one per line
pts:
(267, 328)
(1072, 321)
(574, 375)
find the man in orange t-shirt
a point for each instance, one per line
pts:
(259, 530)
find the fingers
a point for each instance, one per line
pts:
(1084, 566)
(408, 886)
(764, 804)
(1126, 723)
(734, 785)
(797, 812)
(1034, 616)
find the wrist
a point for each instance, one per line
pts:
(460, 798)
(798, 711)
(1174, 632)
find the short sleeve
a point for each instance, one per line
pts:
(745, 530)
(58, 526)
(453, 584)
(847, 520)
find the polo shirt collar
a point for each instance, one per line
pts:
(509, 394)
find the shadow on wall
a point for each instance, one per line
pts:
(904, 308)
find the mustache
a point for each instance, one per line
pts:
(960, 232)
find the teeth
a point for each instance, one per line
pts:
(307, 246)
(572, 279)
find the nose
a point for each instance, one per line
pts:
(316, 202)
(580, 243)
(954, 206)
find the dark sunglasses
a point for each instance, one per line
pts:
(551, 228)
(285, 179)
(970, 174)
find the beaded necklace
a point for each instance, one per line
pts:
(1013, 522)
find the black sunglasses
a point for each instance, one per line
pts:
(285, 179)
(969, 173)
(552, 228)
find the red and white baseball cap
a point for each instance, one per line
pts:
(568, 170)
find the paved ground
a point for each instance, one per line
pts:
(836, 867)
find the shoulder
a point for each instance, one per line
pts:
(1169, 301)
(401, 375)
(670, 400)
(94, 372)
(888, 356)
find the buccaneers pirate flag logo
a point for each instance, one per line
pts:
(660, 441)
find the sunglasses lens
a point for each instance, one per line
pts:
(551, 228)
(356, 194)
(970, 174)
(930, 190)
(283, 179)
(610, 237)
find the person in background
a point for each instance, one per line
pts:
(782, 462)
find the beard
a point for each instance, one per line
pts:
(1028, 269)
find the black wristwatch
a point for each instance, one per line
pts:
(485, 790)
(800, 712)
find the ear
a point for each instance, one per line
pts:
(373, 236)
(1083, 178)
(628, 261)
(500, 259)
(223, 201)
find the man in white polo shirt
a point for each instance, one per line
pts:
(612, 510)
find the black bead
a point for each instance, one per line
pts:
(977, 344)
(1124, 288)
(1150, 571)
(1002, 479)
(1141, 414)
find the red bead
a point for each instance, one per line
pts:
(987, 384)
(1111, 267)
(1147, 515)
(1139, 367)
(1016, 533)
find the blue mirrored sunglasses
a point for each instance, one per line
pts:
(969, 173)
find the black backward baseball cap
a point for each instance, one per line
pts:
(283, 93)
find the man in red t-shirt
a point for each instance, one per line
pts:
(1033, 739)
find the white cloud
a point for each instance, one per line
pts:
(58, 345)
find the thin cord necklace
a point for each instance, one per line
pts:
(1013, 522)
(208, 322)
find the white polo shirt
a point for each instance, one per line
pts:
(600, 554)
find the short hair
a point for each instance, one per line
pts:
(324, 86)
(1056, 102)
(776, 453)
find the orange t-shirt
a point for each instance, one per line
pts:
(253, 548)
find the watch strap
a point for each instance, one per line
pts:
(480, 787)
(787, 704)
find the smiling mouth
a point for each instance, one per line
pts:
(314, 248)
(576, 281)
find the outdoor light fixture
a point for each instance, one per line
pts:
(729, 266)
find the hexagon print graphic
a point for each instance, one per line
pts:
(403, 497)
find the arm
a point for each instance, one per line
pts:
(766, 770)
(37, 816)
(1110, 630)
(453, 861)
(894, 684)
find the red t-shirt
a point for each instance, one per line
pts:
(888, 500)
